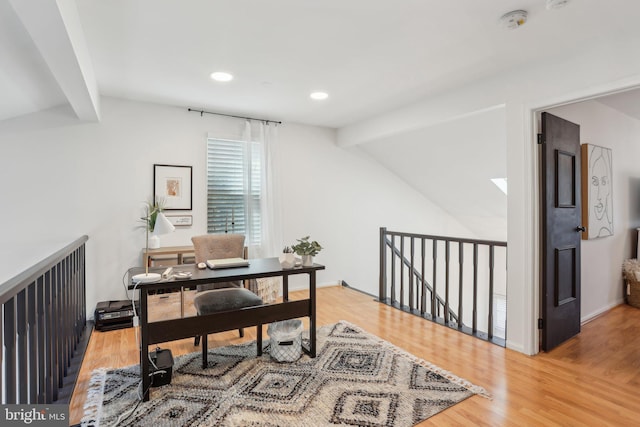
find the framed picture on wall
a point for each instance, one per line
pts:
(597, 194)
(172, 184)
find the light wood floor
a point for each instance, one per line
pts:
(591, 380)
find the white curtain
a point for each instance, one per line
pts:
(266, 134)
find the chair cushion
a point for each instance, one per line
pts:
(225, 299)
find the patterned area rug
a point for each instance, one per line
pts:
(357, 379)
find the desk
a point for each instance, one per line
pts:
(180, 251)
(175, 329)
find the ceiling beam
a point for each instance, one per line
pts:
(55, 29)
(475, 98)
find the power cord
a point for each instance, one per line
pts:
(135, 320)
(157, 371)
(124, 283)
(125, 416)
(131, 297)
(151, 360)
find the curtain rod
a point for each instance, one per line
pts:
(202, 112)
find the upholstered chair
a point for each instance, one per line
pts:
(218, 246)
(217, 297)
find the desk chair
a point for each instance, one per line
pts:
(217, 297)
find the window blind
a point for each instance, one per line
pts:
(234, 173)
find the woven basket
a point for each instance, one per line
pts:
(285, 343)
(631, 274)
(266, 288)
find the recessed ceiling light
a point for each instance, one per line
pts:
(513, 19)
(319, 95)
(221, 76)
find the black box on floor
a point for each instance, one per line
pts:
(110, 315)
(161, 372)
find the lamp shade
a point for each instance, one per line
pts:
(162, 225)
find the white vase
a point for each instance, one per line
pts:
(307, 260)
(154, 242)
(287, 260)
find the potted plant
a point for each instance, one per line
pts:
(307, 250)
(288, 258)
(153, 208)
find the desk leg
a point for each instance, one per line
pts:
(182, 302)
(285, 288)
(259, 339)
(144, 345)
(312, 314)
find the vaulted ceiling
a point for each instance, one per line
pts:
(372, 57)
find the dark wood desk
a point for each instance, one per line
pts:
(187, 327)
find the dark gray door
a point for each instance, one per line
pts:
(561, 227)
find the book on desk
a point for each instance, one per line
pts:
(227, 263)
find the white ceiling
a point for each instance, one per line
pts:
(371, 56)
(626, 102)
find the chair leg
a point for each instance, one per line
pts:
(204, 352)
(196, 341)
(259, 339)
(241, 332)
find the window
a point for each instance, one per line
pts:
(234, 188)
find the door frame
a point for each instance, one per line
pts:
(532, 222)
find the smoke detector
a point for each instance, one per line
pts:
(556, 4)
(513, 19)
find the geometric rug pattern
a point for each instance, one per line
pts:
(357, 379)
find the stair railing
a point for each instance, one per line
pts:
(419, 274)
(43, 320)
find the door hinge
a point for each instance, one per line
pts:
(540, 324)
(540, 139)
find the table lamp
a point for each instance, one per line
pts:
(162, 226)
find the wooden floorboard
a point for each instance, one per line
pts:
(591, 380)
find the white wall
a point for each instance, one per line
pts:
(452, 164)
(580, 75)
(62, 178)
(341, 197)
(602, 258)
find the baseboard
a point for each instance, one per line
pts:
(318, 285)
(329, 284)
(516, 347)
(346, 285)
(595, 314)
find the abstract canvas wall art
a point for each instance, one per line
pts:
(597, 194)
